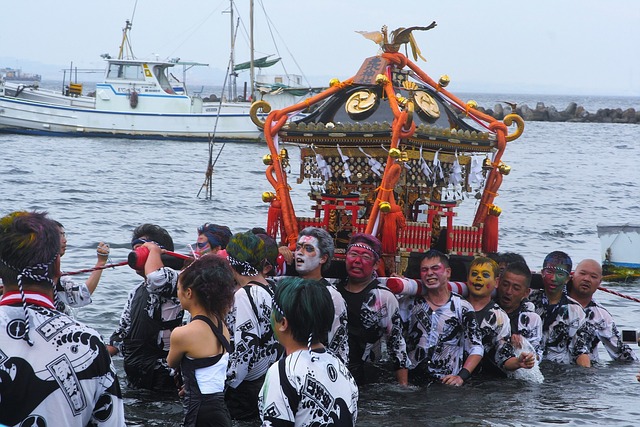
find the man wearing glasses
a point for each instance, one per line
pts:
(564, 329)
(372, 313)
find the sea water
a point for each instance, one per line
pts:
(565, 179)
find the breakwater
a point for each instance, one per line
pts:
(572, 113)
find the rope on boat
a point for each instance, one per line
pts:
(619, 294)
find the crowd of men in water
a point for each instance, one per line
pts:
(248, 330)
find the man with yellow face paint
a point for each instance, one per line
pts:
(493, 321)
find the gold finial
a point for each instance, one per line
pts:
(394, 153)
(504, 168)
(268, 196)
(267, 159)
(494, 210)
(444, 80)
(334, 82)
(385, 207)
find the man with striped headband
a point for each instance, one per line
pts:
(61, 372)
(372, 312)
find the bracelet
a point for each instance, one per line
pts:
(103, 254)
(464, 374)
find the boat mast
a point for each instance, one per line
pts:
(252, 68)
(232, 86)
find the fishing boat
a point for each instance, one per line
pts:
(392, 153)
(620, 250)
(139, 99)
(12, 74)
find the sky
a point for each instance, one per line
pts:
(542, 47)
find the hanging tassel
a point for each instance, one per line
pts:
(345, 161)
(375, 165)
(392, 225)
(274, 218)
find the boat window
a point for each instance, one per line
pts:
(161, 74)
(125, 72)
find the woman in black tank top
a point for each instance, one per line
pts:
(205, 289)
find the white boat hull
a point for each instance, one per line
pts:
(620, 244)
(24, 116)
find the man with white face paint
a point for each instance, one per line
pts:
(312, 257)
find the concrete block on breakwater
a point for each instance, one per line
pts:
(572, 113)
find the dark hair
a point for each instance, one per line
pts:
(155, 233)
(270, 248)
(308, 307)
(325, 243)
(479, 260)
(509, 257)
(258, 230)
(211, 279)
(28, 240)
(558, 257)
(434, 253)
(519, 269)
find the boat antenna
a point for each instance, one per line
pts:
(208, 179)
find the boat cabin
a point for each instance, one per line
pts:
(143, 86)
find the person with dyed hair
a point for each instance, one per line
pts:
(313, 255)
(443, 338)
(54, 370)
(495, 328)
(564, 326)
(212, 238)
(372, 311)
(302, 315)
(249, 322)
(151, 312)
(200, 349)
(271, 256)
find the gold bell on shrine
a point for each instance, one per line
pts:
(394, 153)
(504, 169)
(268, 196)
(385, 207)
(494, 210)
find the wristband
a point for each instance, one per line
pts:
(464, 374)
